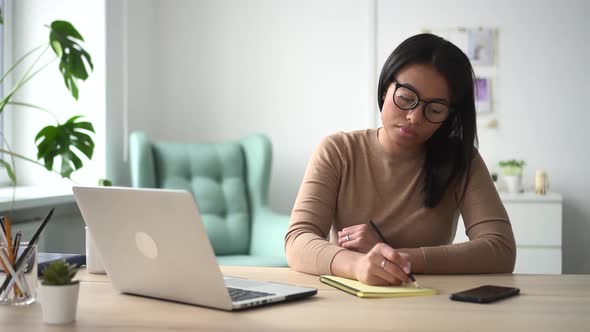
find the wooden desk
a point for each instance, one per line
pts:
(547, 303)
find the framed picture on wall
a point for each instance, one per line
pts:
(483, 95)
(477, 43)
(480, 46)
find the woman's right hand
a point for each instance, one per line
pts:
(383, 266)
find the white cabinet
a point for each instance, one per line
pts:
(537, 225)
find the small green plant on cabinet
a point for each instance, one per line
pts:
(105, 183)
(512, 167)
(59, 273)
(69, 140)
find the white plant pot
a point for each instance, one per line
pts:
(59, 303)
(513, 183)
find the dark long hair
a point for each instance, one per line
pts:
(450, 150)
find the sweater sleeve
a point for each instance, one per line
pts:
(306, 246)
(491, 248)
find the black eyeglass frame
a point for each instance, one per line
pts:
(420, 100)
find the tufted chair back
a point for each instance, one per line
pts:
(229, 182)
(215, 175)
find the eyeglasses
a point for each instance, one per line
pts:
(407, 99)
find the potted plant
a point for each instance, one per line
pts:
(68, 141)
(512, 174)
(59, 293)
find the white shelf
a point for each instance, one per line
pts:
(531, 197)
(34, 196)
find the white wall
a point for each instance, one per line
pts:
(295, 70)
(48, 90)
(300, 70)
(131, 96)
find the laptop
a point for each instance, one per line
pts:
(153, 243)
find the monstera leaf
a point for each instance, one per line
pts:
(73, 58)
(58, 141)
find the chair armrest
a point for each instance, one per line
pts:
(268, 233)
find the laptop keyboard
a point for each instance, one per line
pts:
(237, 294)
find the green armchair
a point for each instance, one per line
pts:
(229, 182)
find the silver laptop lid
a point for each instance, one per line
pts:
(153, 243)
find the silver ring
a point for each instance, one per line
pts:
(383, 264)
(347, 237)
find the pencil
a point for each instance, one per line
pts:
(16, 243)
(2, 224)
(2, 240)
(9, 240)
(410, 275)
(15, 246)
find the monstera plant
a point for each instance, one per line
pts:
(71, 140)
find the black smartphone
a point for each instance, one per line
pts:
(485, 294)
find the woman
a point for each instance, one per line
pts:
(412, 178)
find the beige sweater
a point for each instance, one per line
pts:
(350, 180)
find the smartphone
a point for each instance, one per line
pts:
(485, 294)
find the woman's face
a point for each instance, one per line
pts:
(406, 131)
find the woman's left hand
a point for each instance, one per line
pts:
(361, 238)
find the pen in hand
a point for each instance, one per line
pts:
(410, 275)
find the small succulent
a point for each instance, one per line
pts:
(59, 273)
(512, 166)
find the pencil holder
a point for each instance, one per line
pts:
(18, 274)
(93, 258)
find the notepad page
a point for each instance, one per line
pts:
(359, 289)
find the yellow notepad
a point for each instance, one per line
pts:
(361, 290)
